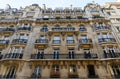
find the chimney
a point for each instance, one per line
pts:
(44, 6)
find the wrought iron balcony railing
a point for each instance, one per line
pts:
(112, 55)
(25, 28)
(4, 41)
(101, 40)
(20, 41)
(8, 29)
(42, 41)
(70, 41)
(64, 56)
(85, 41)
(13, 56)
(102, 28)
(56, 41)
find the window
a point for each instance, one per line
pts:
(22, 50)
(56, 53)
(83, 36)
(69, 28)
(71, 53)
(37, 72)
(11, 72)
(56, 39)
(70, 39)
(23, 36)
(72, 68)
(87, 53)
(16, 50)
(55, 67)
(44, 28)
(91, 71)
(82, 28)
(116, 70)
(6, 38)
(40, 53)
(57, 28)
(105, 35)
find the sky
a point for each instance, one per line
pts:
(49, 3)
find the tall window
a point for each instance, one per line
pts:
(37, 72)
(40, 53)
(71, 53)
(70, 39)
(11, 72)
(87, 53)
(91, 71)
(72, 68)
(56, 53)
(116, 70)
(84, 39)
(56, 39)
(82, 28)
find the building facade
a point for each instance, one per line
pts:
(62, 43)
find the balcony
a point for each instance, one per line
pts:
(19, 42)
(63, 30)
(24, 29)
(64, 56)
(41, 43)
(56, 42)
(4, 43)
(37, 56)
(54, 74)
(13, 56)
(102, 29)
(70, 42)
(90, 55)
(72, 75)
(112, 55)
(86, 43)
(107, 41)
(8, 31)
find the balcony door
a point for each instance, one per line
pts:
(116, 70)
(40, 53)
(37, 71)
(56, 53)
(71, 53)
(87, 53)
(91, 71)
